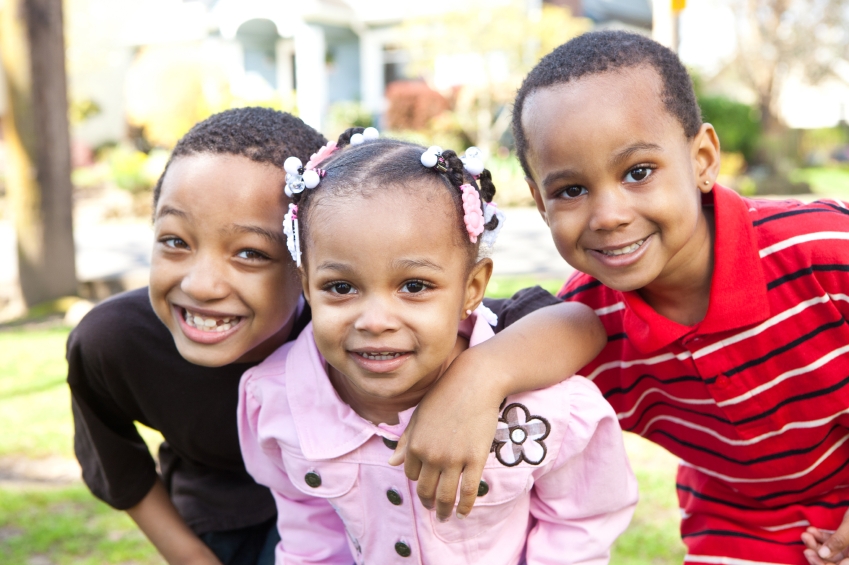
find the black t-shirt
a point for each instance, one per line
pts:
(123, 367)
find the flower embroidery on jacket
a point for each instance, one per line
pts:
(519, 436)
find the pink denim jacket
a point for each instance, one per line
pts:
(557, 487)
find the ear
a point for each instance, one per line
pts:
(537, 196)
(476, 285)
(305, 283)
(705, 154)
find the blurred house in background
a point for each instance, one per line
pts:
(159, 66)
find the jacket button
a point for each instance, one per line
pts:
(483, 488)
(313, 479)
(402, 549)
(722, 382)
(394, 497)
(389, 443)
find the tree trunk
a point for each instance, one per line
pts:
(38, 146)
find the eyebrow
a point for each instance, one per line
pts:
(551, 178)
(629, 151)
(401, 264)
(167, 210)
(398, 264)
(334, 266)
(272, 236)
(615, 160)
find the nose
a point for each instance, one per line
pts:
(611, 209)
(205, 280)
(377, 315)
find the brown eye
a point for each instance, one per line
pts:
(414, 286)
(342, 288)
(574, 191)
(638, 174)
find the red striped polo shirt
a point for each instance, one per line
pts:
(753, 399)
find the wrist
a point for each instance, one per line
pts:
(487, 376)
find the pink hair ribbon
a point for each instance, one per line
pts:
(472, 213)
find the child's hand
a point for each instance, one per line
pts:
(459, 414)
(825, 548)
(458, 418)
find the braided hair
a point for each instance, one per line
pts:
(379, 163)
(262, 135)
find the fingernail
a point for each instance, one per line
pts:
(461, 516)
(441, 519)
(824, 552)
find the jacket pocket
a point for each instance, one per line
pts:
(335, 481)
(502, 492)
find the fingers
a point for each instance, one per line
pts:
(834, 548)
(469, 490)
(426, 487)
(813, 558)
(399, 455)
(446, 494)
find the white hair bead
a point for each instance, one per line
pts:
(371, 133)
(435, 149)
(357, 138)
(288, 191)
(292, 165)
(311, 178)
(298, 186)
(473, 165)
(473, 152)
(429, 159)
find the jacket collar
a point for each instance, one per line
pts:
(738, 286)
(327, 427)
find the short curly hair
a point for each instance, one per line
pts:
(260, 134)
(605, 51)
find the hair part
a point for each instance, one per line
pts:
(607, 51)
(388, 163)
(262, 135)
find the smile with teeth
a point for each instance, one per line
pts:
(210, 324)
(623, 250)
(381, 356)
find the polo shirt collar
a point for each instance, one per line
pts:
(738, 286)
(327, 427)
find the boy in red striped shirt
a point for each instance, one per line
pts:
(726, 317)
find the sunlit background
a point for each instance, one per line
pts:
(771, 75)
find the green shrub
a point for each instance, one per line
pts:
(738, 125)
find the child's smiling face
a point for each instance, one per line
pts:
(618, 181)
(388, 284)
(221, 278)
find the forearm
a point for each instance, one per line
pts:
(541, 349)
(157, 517)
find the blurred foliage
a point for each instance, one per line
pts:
(133, 170)
(737, 125)
(485, 48)
(412, 105)
(347, 114)
(779, 41)
(81, 110)
(170, 88)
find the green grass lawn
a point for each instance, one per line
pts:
(827, 181)
(66, 525)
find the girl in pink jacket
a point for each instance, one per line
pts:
(388, 238)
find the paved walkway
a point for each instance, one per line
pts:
(119, 252)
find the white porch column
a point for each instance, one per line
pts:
(310, 74)
(371, 71)
(284, 51)
(663, 23)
